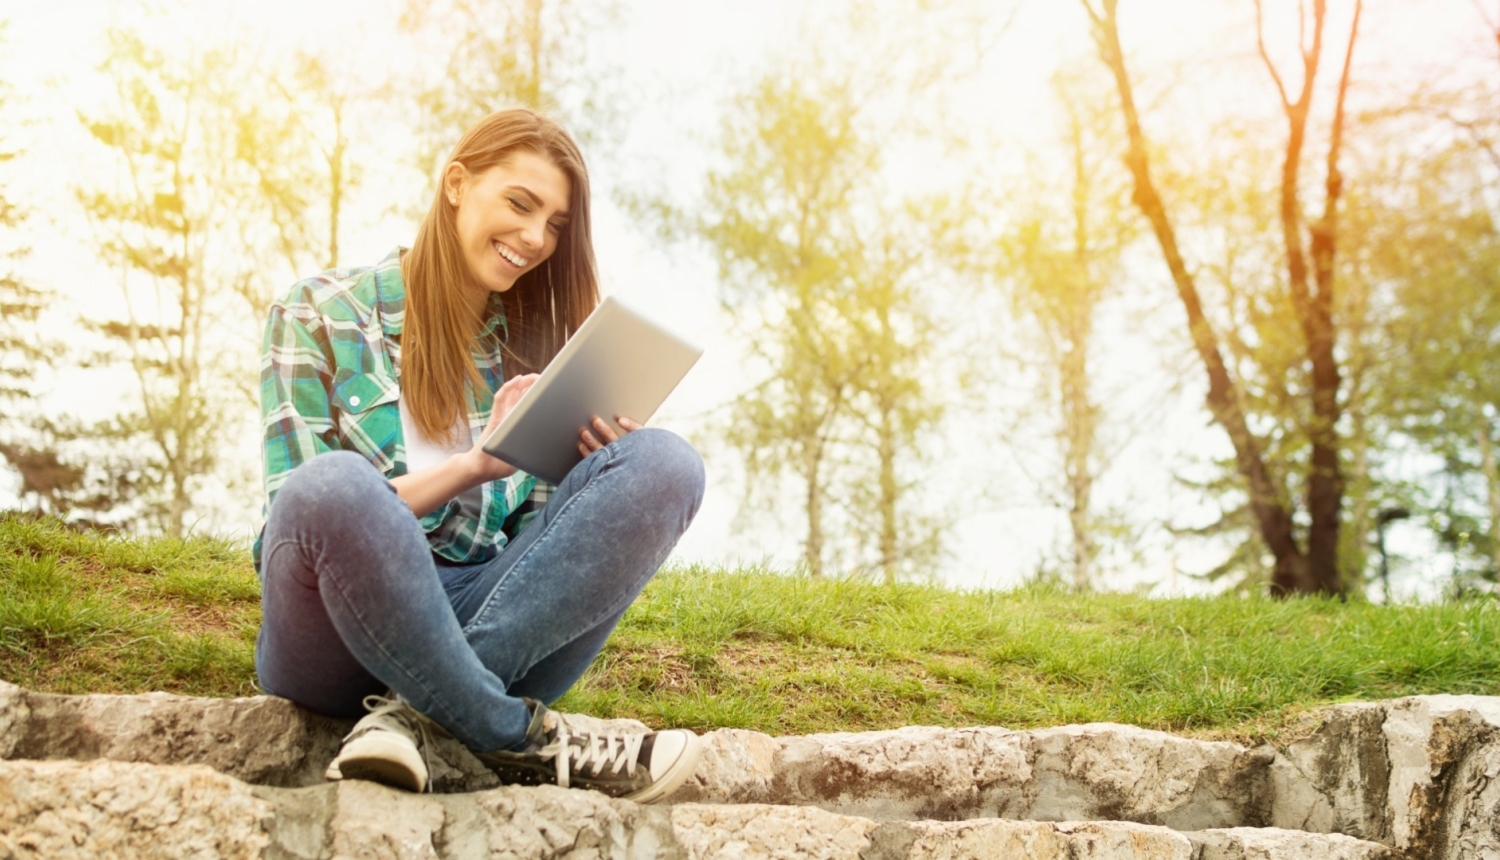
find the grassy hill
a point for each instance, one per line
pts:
(710, 648)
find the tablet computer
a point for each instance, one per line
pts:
(617, 363)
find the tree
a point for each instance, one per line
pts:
(538, 54)
(1306, 558)
(29, 443)
(824, 276)
(776, 220)
(1060, 259)
(893, 322)
(297, 143)
(21, 303)
(174, 224)
(1430, 246)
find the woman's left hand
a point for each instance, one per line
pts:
(589, 441)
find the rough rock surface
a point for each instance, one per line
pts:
(1259, 843)
(170, 776)
(1418, 774)
(106, 809)
(114, 809)
(1091, 772)
(1086, 840)
(262, 740)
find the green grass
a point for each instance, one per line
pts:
(784, 655)
(85, 613)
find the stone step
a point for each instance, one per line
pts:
(1270, 843)
(65, 809)
(1418, 774)
(1089, 772)
(1073, 773)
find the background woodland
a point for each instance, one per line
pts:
(1285, 238)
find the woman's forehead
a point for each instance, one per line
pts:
(536, 176)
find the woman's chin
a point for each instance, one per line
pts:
(500, 283)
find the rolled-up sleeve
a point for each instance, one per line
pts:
(296, 417)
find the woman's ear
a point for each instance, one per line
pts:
(455, 177)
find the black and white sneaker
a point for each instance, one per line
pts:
(644, 767)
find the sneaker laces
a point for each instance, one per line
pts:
(595, 751)
(398, 710)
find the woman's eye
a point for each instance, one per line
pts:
(555, 228)
(519, 206)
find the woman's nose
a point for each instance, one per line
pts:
(534, 233)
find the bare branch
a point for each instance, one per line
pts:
(1312, 56)
(1335, 180)
(1095, 17)
(1302, 28)
(1492, 24)
(1476, 132)
(1225, 396)
(1265, 56)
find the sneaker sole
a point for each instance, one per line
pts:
(378, 758)
(383, 771)
(674, 777)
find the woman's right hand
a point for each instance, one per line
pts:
(485, 467)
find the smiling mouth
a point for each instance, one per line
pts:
(510, 256)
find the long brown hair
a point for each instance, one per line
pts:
(544, 308)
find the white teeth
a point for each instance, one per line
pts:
(509, 255)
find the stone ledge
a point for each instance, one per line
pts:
(1249, 843)
(262, 740)
(64, 809)
(1090, 772)
(1417, 774)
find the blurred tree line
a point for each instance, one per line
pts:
(1323, 267)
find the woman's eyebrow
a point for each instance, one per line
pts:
(561, 213)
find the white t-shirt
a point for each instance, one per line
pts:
(423, 453)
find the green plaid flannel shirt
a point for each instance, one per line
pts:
(329, 382)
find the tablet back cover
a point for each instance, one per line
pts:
(618, 363)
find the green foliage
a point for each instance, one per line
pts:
(180, 222)
(1058, 260)
(828, 277)
(532, 53)
(1430, 249)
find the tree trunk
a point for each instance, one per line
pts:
(1080, 447)
(888, 491)
(1267, 501)
(1079, 412)
(531, 92)
(336, 184)
(1359, 514)
(812, 456)
(1492, 489)
(1313, 302)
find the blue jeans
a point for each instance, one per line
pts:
(354, 603)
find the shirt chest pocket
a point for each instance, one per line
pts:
(369, 421)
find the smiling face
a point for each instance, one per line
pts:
(508, 219)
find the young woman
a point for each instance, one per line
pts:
(406, 572)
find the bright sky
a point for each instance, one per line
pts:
(680, 58)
